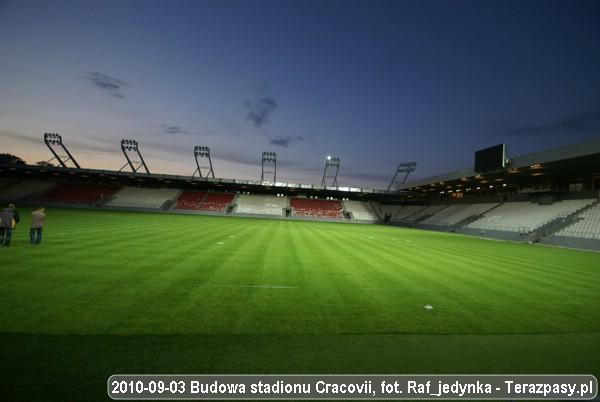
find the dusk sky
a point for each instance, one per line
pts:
(372, 82)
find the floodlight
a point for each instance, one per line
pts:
(268, 166)
(332, 167)
(203, 161)
(129, 146)
(59, 150)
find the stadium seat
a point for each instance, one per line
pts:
(526, 216)
(429, 210)
(82, 194)
(400, 212)
(135, 197)
(22, 189)
(457, 213)
(587, 227)
(216, 202)
(190, 200)
(315, 208)
(361, 210)
(203, 201)
(261, 204)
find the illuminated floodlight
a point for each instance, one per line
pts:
(332, 167)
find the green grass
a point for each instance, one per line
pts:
(116, 292)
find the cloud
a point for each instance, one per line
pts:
(107, 83)
(178, 130)
(570, 124)
(168, 129)
(259, 111)
(281, 141)
(22, 137)
(236, 157)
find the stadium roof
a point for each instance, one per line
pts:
(189, 182)
(575, 158)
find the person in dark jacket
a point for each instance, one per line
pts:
(9, 218)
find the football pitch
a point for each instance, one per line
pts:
(123, 292)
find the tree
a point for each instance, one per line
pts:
(10, 159)
(44, 164)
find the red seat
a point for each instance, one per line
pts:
(78, 193)
(202, 201)
(316, 208)
(190, 200)
(216, 202)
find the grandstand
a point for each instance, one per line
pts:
(587, 225)
(204, 201)
(314, 208)
(424, 213)
(190, 200)
(261, 205)
(6, 182)
(19, 189)
(456, 213)
(216, 202)
(77, 194)
(398, 213)
(361, 210)
(138, 197)
(525, 217)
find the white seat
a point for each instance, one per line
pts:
(515, 216)
(142, 197)
(361, 211)
(456, 213)
(261, 204)
(588, 227)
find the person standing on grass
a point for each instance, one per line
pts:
(37, 224)
(9, 218)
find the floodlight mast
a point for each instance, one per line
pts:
(203, 153)
(131, 146)
(332, 168)
(54, 140)
(406, 168)
(269, 165)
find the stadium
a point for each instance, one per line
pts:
(299, 200)
(488, 270)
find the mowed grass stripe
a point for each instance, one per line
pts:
(546, 273)
(143, 273)
(414, 308)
